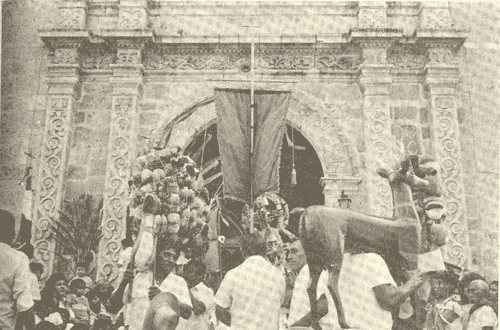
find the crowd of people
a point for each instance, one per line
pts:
(259, 293)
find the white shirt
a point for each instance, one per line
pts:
(359, 274)
(300, 304)
(253, 292)
(177, 286)
(482, 317)
(15, 285)
(125, 257)
(201, 321)
(35, 287)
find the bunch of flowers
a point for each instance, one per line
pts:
(168, 185)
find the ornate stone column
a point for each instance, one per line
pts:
(375, 81)
(127, 84)
(63, 89)
(333, 187)
(441, 79)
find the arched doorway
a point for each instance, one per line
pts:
(204, 150)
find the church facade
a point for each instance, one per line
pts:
(92, 84)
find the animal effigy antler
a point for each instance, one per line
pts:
(323, 229)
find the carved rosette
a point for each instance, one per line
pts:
(128, 56)
(72, 18)
(120, 153)
(51, 179)
(372, 18)
(435, 16)
(65, 56)
(446, 139)
(132, 18)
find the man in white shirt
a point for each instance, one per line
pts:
(481, 315)
(300, 306)
(164, 305)
(250, 295)
(202, 298)
(367, 291)
(15, 284)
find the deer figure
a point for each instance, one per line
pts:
(322, 230)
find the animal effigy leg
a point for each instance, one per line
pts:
(314, 274)
(333, 287)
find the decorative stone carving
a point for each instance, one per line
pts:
(338, 62)
(120, 153)
(435, 19)
(128, 56)
(440, 56)
(72, 18)
(161, 60)
(407, 58)
(49, 192)
(372, 18)
(95, 58)
(448, 151)
(65, 56)
(133, 18)
(286, 62)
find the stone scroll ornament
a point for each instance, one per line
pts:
(168, 200)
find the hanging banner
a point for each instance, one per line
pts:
(233, 122)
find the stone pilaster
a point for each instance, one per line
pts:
(375, 81)
(333, 187)
(442, 76)
(63, 88)
(127, 84)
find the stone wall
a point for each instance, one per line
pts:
(171, 87)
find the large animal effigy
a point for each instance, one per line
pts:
(413, 231)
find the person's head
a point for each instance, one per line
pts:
(478, 291)
(104, 291)
(56, 286)
(81, 269)
(494, 290)
(8, 224)
(443, 283)
(46, 325)
(194, 272)
(168, 252)
(253, 245)
(296, 258)
(37, 269)
(78, 287)
(93, 297)
(464, 284)
(127, 242)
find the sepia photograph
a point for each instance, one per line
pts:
(249, 165)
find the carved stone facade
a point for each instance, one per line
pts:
(340, 83)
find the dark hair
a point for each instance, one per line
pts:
(77, 283)
(81, 265)
(253, 245)
(464, 283)
(8, 224)
(166, 243)
(46, 325)
(36, 266)
(127, 242)
(53, 279)
(198, 266)
(493, 283)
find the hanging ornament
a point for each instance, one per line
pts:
(293, 179)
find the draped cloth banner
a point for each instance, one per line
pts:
(233, 124)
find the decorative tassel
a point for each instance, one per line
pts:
(293, 181)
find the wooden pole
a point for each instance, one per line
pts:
(252, 109)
